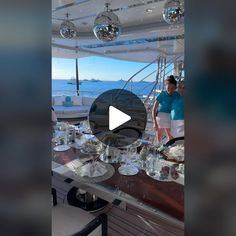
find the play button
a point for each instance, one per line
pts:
(117, 118)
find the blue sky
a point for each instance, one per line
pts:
(99, 68)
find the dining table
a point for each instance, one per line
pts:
(164, 200)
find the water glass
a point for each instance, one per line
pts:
(151, 164)
(142, 158)
(71, 134)
(85, 124)
(64, 138)
(123, 157)
(133, 154)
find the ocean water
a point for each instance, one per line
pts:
(93, 89)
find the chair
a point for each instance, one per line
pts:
(68, 220)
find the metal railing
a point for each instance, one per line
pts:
(162, 70)
(58, 92)
(131, 78)
(153, 92)
(158, 84)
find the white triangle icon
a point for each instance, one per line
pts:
(117, 118)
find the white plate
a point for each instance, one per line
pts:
(110, 172)
(61, 148)
(75, 145)
(157, 177)
(128, 170)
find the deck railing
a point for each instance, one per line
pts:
(73, 93)
(163, 69)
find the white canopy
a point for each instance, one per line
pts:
(145, 35)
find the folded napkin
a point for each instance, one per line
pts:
(176, 152)
(93, 169)
(75, 164)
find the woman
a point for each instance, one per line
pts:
(162, 108)
(177, 113)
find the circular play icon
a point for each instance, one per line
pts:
(117, 118)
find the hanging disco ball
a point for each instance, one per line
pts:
(173, 11)
(107, 26)
(67, 29)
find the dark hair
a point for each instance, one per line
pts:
(171, 80)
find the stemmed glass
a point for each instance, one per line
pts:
(60, 136)
(133, 155)
(93, 148)
(129, 156)
(85, 126)
(155, 167)
(151, 165)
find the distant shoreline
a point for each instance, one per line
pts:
(98, 80)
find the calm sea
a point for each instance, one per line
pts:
(93, 89)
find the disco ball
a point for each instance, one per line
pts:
(173, 11)
(67, 29)
(107, 26)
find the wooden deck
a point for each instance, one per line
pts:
(121, 222)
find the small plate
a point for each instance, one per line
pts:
(157, 177)
(128, 170)
(75, 145)
(61, 148)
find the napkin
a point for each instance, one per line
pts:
(93, 169)
(77, 163)
(176, 152)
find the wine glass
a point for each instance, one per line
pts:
(85, 126)
(142, 157)
(151, 165)
(127, 167)
(133, 154)
(93, 148)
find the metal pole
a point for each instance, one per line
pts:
(77, 77)
(157, 78)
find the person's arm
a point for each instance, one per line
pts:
(154, 112)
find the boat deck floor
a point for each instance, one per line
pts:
(123, 222)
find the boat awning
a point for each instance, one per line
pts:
(145, 35)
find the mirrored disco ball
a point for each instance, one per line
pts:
(67, 29)
(107, 26)
(173, 11)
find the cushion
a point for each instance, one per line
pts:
(71, 110)
(88, 101)
(67, 99)
(68, 103)
(68, 220)
(77, 101)
(58, 109)
(74, 109)
(58, 100)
